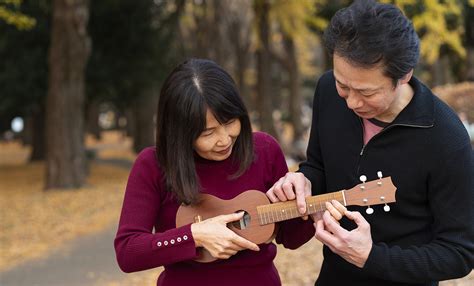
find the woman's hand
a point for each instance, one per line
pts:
(220, 241)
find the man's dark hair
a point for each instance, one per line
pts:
(368, 33)
(191, 89)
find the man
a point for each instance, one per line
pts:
(371, 114)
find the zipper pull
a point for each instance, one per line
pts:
(362, 151)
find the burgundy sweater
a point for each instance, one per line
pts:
(147, 236)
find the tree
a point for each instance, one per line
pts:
(294, 19)
(134, 49)
(24, 73)
(68, 54)
(15, 18)
(469, 40)
(441, 29)
(264, 95)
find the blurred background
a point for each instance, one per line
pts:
(79, 86)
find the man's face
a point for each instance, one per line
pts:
(368, 92)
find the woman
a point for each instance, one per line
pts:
(204, 144)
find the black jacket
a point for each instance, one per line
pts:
(429, 233)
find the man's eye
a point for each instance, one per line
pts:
(342, 86)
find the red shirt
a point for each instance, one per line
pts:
(148, 205)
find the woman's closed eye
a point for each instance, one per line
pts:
(230, 121)
(207, 132)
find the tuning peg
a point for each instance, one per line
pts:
(369, 210)
(363, 178)
(386, 208)
(379, 174)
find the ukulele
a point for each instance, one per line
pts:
(260, 216)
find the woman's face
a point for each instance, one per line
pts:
(217, 140)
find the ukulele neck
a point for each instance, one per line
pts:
(282, 211)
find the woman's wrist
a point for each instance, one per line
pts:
(195, 234)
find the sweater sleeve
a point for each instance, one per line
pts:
(313, 167)
(295, 232)
(136, 246)
(451, 252)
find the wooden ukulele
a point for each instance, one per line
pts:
(260, 216)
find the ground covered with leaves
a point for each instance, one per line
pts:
(34, 222)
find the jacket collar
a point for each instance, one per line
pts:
(420, 111)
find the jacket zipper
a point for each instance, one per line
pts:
(382, 131)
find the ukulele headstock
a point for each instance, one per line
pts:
(376, 192)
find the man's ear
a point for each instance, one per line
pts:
(406, 78)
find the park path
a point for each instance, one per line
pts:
(83, 261)
(87, 260)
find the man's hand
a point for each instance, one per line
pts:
(354, 246)
(289, 187)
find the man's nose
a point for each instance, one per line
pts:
(353, 100)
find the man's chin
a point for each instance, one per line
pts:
(364, 115)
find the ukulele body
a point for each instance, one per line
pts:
(248, 227)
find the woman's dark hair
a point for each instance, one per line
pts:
(188, 92)
(369, 33)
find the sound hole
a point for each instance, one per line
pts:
(242, 223)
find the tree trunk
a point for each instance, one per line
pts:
(470, 64)
(130, 127)
(469, 41)
(294, 87)
(239, 35)
(264, 97)
(441, 72)
(68, 54)
(144, 113)
(36, 121)
(93, 127)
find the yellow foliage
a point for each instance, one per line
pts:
(295, 19)
(432, 26)
(17, 19)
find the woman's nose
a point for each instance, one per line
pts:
(224, 137)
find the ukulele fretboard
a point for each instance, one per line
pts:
(282, 211)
